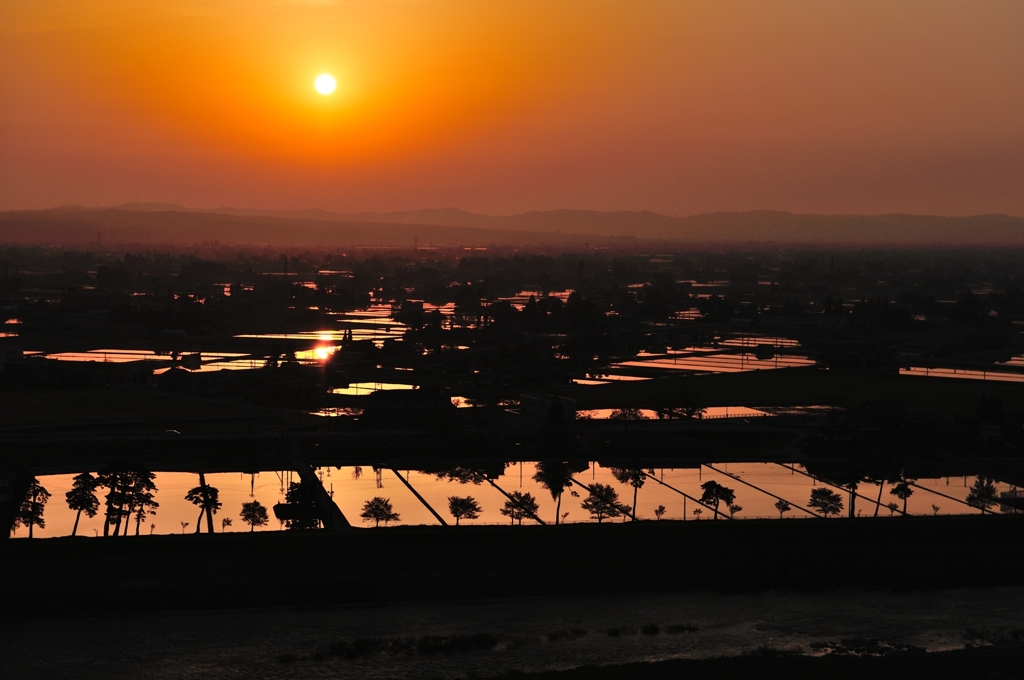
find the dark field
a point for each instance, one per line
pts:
(410, 563)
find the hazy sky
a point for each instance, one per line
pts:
(504, 106)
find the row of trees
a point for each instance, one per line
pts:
(983, 495)
(379, 509)
(130, 496)
(602, 502)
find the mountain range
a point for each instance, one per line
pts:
(171, 224)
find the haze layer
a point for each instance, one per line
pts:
(505, 106)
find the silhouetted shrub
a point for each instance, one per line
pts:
(681, 628)
(622, 630)
(520, 641)
(767, 650)
(560, 635)
(358, 648)
(435, 644)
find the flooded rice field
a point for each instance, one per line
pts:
(757, 486)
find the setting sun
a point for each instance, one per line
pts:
(325, 84)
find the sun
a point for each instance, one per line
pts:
(325, 84)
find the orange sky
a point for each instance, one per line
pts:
(504, 106)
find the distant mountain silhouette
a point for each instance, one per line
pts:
(154, 223)
(84, 226)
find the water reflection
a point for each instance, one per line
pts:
(376, 322)
(708, 413)
(757, 486)
(962, 373)
(196, 362)
(717, 363)
(361, 388)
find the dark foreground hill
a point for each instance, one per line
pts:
(410, 563)
(173, 224)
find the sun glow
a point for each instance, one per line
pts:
(325, 84)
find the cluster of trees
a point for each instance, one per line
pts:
(130, 496)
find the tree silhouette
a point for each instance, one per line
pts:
(463, 508)
(827, 501)
(115, 480)
(130, 491)
(207, 499)
(30, 513)
(627, 414)
(880, 481)
(520, 506)
(303, 497)
(697, 512)
(715, 493)
(556, 477)
(82, 497)
(603, 501)
(902, 491)
(693, 405)
(254, 514)
(634, 477)
(733, 509)
(463, 475)
(225, 523)
(659, 512)
(183, 525)
(893, 507)
(210, 503)
(379, 510)
(782, 506)
(138, 496)
(983, 494)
